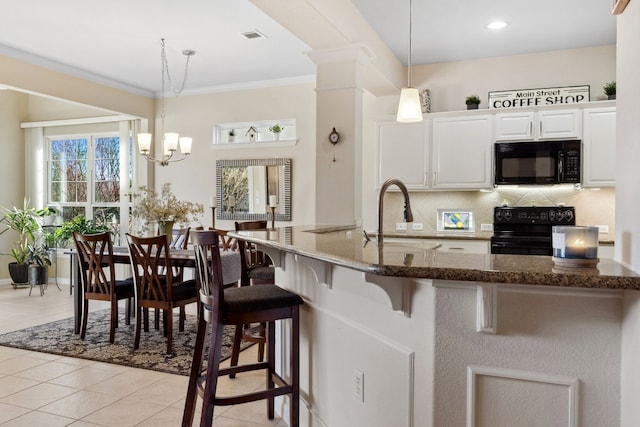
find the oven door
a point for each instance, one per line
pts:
(522, 163)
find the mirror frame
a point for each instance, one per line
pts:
(280, 216)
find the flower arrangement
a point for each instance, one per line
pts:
(153, 207)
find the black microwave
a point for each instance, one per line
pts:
(538, 163)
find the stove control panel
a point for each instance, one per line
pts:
(554, 215)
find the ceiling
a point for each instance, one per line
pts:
(117, 42)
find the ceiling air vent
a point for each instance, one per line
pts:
(255, 34)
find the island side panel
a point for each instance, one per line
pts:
(350, 327)
(523, 375)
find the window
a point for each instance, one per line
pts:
(85, 177)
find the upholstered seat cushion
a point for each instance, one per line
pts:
(262, 273)
(124, 287)
(255, 298)
(184, 290)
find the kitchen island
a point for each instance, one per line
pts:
(400, 334)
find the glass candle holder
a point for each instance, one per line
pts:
(575, 242)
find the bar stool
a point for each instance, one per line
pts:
(238, 306)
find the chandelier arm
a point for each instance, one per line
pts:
(166, 158)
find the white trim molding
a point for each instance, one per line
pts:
(571, 383)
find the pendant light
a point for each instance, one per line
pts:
(409, 108)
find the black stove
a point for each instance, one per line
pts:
(527, 230)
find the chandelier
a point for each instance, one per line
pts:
(170, 140)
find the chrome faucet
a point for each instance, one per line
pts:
(408, 215)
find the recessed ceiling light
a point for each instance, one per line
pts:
(497, 25)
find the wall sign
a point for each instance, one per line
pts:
(535, 97)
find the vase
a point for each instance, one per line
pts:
(19, 273)
(166, 227)
(276, 136)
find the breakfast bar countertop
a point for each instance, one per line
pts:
(346, 246)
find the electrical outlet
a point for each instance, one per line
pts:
(401, 226)
(603, 228)
(486, 227)
(358, 384)
(417, 226)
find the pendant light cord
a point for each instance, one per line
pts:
(409, 62)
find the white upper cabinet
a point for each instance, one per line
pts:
(462, 152)
(403, 150)
(544, 124)
(599, 147)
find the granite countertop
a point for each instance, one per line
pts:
(345, 246)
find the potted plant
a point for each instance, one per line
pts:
(48, 215)
(610, 90)
(64, 234)
(232, 135)
(38, 261)
(472, 102)
(276, 129)
(24, 222)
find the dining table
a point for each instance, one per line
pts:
(230, 260)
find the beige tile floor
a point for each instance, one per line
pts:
(44, 390)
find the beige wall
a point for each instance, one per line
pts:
(13, 109)
(450, 83)
(196, 116)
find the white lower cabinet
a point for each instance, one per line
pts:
(462, 152)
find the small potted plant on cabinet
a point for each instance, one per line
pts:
(610, 90)
(472, 102)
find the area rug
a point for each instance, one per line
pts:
(58, 338)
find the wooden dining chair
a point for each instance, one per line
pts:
(256, 270)
(256, 265)
(154, 290)
(220, 306)
(98, 278)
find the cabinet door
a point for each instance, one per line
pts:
(559, 124)
(515, 126)
(599, 147)
(403, 153)
(462, 148)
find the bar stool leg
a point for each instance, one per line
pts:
(213, 369)
(295, 367)
(271, 360)
(192, 388)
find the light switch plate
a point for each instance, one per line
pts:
(486, 227)
(401, 226)
(417, 226)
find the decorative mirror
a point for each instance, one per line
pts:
(247, 189)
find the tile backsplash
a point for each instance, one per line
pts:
(593, 207)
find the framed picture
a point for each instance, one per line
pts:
(617, 6)
(456, 220)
